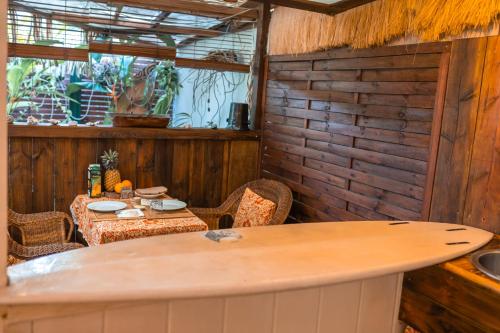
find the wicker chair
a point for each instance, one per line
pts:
(40, 234)
(272, 190)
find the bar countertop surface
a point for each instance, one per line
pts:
(271, 258)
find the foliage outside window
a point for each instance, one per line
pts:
(66, 91)
(48, 89)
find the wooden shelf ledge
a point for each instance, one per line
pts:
(130, 133)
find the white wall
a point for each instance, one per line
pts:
(191, 101)
(225, 87)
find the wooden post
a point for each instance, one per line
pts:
(437, 122)
(3, 144)
(259, 69)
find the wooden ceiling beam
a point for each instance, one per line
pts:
(47, 52)
(61, 53)
(166, 29)
(187, 7)
(330, 9)
(345, 5)
(299, 4)
(137, 50)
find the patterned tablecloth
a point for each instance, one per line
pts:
(101, 231)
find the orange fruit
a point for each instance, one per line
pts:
(96, 190)
(118, 188)
(127, 183)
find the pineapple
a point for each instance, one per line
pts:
(112, 175)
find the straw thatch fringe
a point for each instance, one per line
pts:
(294, 31)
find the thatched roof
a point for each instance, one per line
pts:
(294, 31)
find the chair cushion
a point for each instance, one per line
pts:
(253, 210)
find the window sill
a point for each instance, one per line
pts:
(130, 133)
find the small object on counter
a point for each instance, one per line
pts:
(141, 207)
(94, 181)
(130, 213)
(151, 192)
(136, 200)
(31, 120)
(54, 121)
(138, 120)
(126, 193)
(10, 119)
(111, 195)
(146, 202)
(45, 123)
(238, 117)
(223, 235)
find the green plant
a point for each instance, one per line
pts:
(109, 75)
(28, 78)
(168, 81)
(181, 119)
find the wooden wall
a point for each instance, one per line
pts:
(467, 183)
(48, 166)
(402, 132)
(351, 132)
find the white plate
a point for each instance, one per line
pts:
(150, 196)
(170, 205)
(106, 206)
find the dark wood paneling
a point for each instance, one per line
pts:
(43, 174)
(146, 160)
(47, 173)
(482, 206)
(452, 297)
(467, 181)
(20, 176)
(456, 293)
(428, 316)
(458, 129)
(350, 131)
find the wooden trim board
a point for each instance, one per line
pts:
(20, 131)
(61, 53)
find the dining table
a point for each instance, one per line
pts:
(107, 227)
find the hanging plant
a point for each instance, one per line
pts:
(168, 82)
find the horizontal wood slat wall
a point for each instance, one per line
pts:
(46, 173)
(351, 132)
